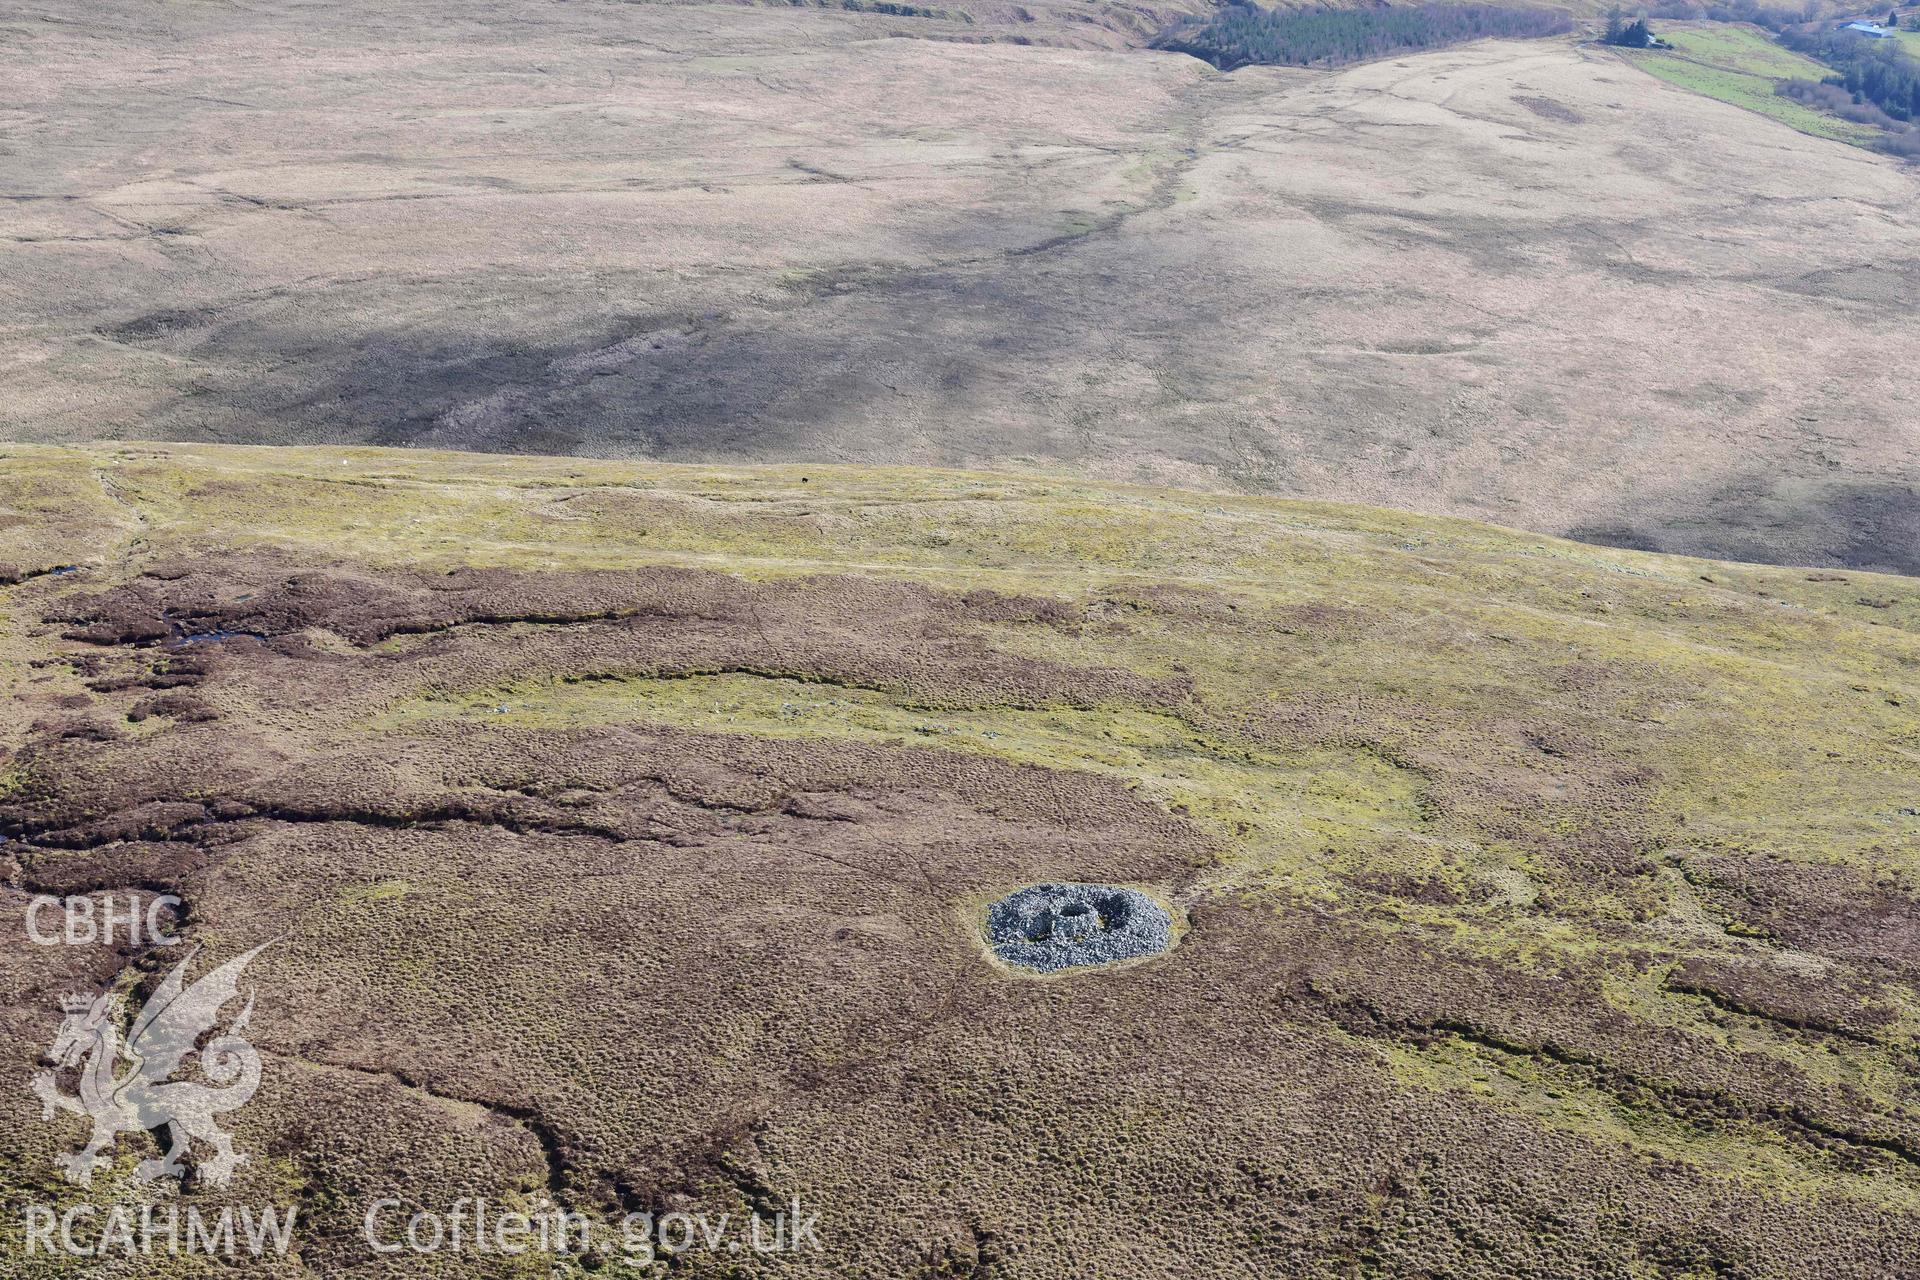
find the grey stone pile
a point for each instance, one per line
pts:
(1049, 927)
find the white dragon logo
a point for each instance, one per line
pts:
(167, 1029)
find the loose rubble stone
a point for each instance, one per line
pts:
(1049, 927)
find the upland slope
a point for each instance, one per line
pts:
(1550, 910)
(1521, 282)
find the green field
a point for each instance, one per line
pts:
(1740, 65)
(1744, 49)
